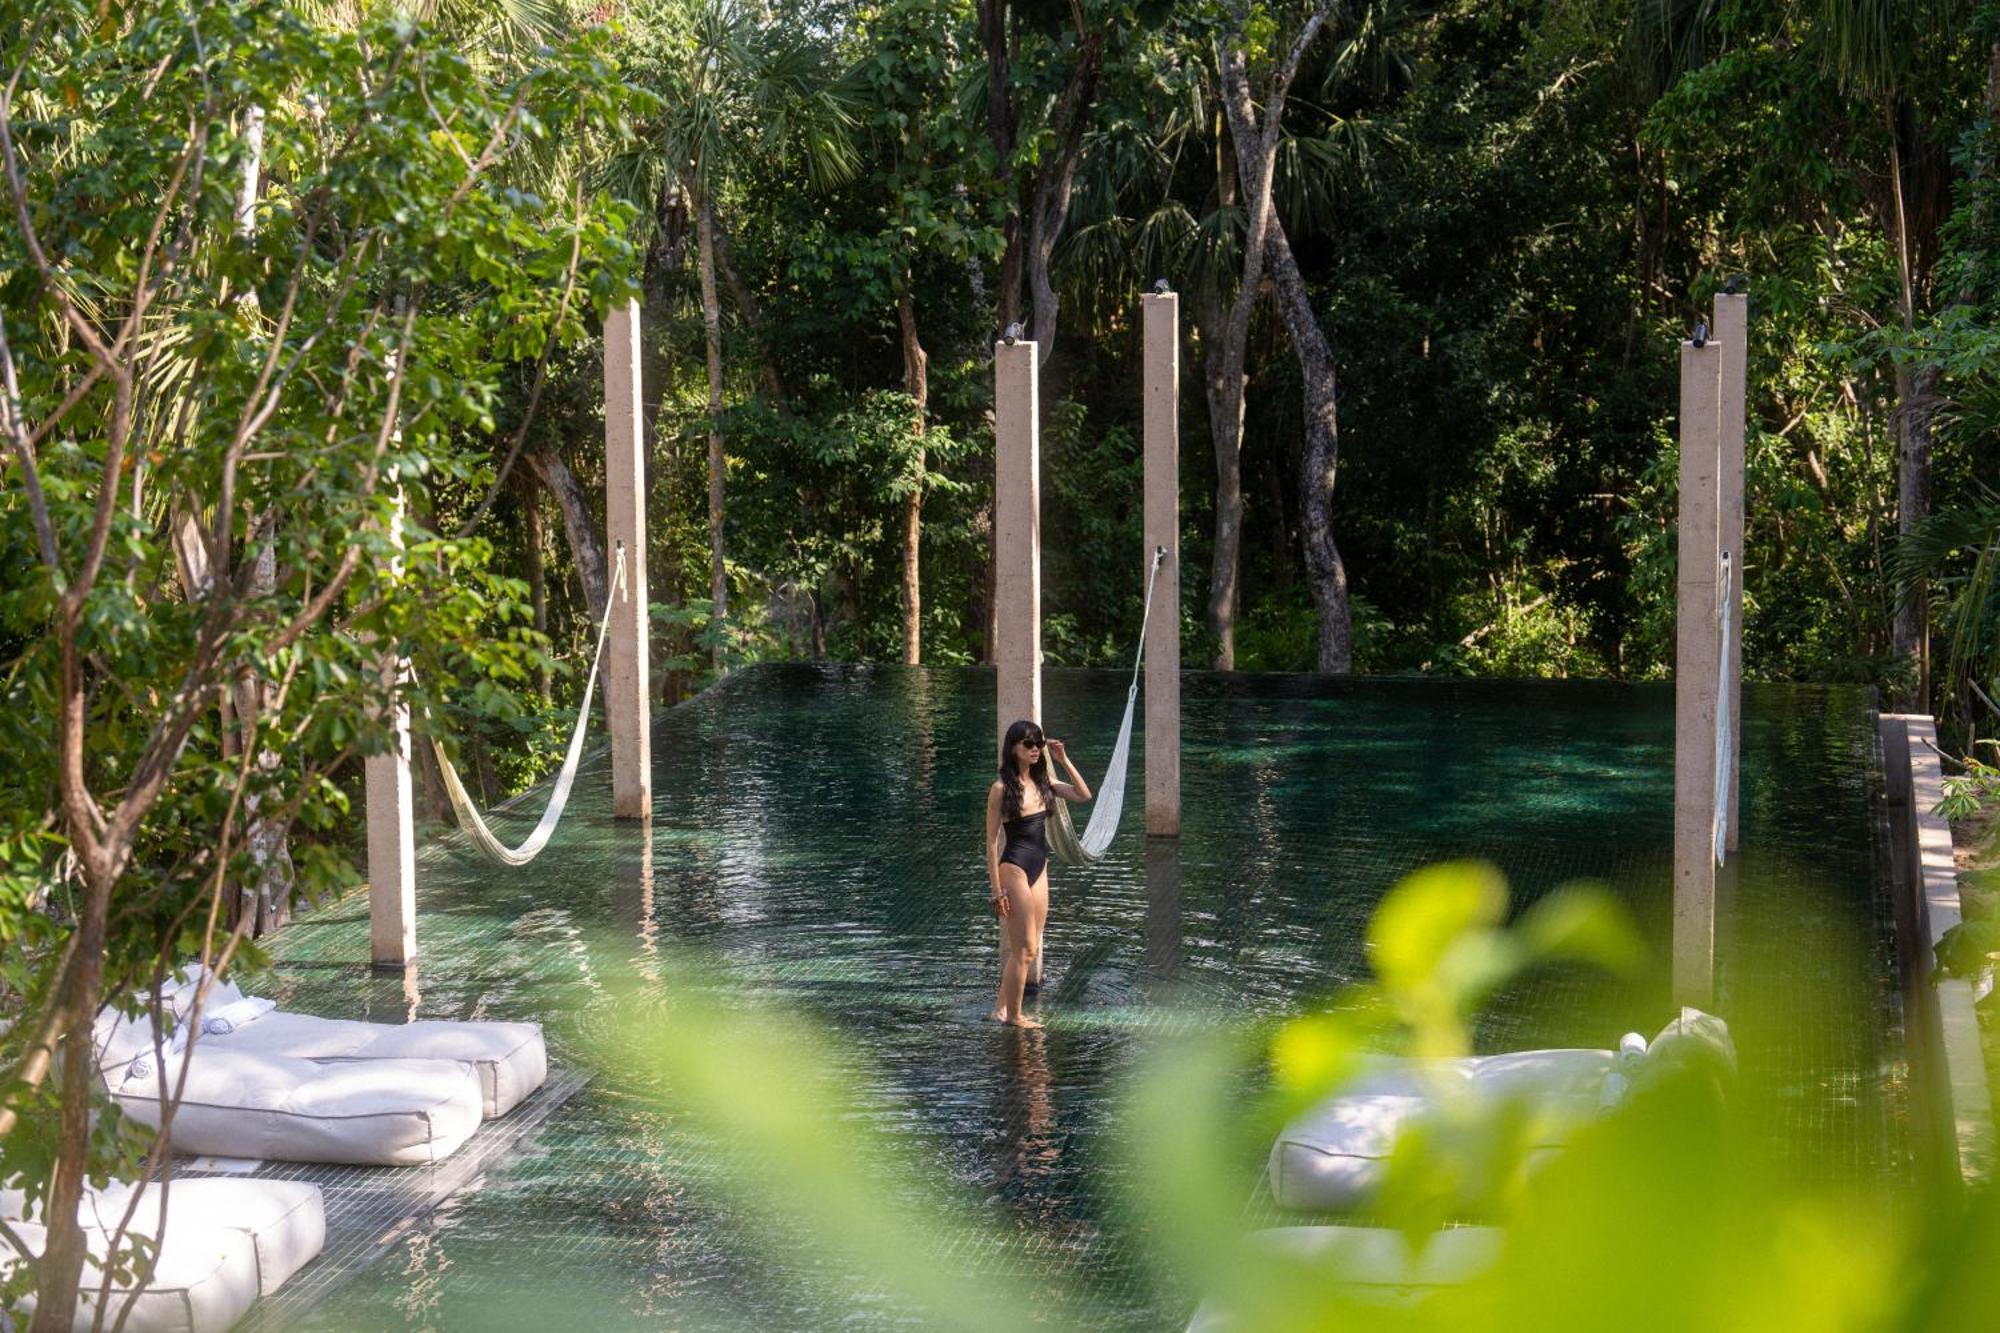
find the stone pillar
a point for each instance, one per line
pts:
(392, 848)
(627, 692)
(1697, 642)
(1017, 532)
(1163, 530)
(392, 825)
(1732, 321)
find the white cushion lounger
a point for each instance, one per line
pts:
(227, 1243)
(248, 1104)
(1333, 1157)
(511, 1058)
(1368, 1265)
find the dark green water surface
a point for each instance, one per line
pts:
(818, 830)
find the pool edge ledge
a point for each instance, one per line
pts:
(1961, 1084)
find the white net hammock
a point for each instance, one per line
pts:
(468, 815)
(1110, 794)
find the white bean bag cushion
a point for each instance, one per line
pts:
(1334, 1155)
(510, 1058)
(204, 1279)
(1371, 1265)
(361, 1112)
(283, 1220)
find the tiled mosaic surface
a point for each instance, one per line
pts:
(817, 829)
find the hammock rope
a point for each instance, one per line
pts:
(461, 801)
(1725, 732)
(1103, 826)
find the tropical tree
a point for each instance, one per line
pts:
(742, 100)
(926, 159)
(396, 272)
(1254, 137)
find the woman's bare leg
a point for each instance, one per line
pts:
(1013, 947)
(1038, 918)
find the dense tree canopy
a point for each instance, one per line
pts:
(1504, 216)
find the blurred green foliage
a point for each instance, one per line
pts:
(1666, 1212)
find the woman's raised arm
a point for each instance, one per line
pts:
(1076, 789)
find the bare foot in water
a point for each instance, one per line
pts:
(1025, 1023)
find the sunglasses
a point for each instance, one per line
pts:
(1032, 745)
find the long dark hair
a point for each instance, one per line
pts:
(1010, 772)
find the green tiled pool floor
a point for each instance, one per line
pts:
(370, 1210)
(816, 830)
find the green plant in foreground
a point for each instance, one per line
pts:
(1664, 1213)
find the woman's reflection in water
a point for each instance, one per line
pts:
(1029, 1151)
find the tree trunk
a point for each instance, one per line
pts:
(1225, 384)
(1255, 152)
(61, 1267)
(711, 325)
(1916, 393)
(1334, 636)
(432, 802)
(538, 579)
(1908, 636)
(753, 315)
(1224, 393)
(267, 901)
(1053, 185)
(916, 382)
(584, 545)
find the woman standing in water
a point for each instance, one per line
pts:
(1017, 856)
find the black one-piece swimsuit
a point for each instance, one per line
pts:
(1027, 844)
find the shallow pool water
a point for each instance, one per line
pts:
(817, 830)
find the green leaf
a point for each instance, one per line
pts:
(1583, 923)
(1425, 914)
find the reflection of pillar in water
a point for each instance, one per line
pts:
(924, 706)
(632, 897)
(1163, 909)
(392, 995)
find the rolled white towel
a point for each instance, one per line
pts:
(1625, 1063)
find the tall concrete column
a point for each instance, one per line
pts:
(1697, 644)
(1017, 532)
(627, 691)
(1162, 322)
(392, 825)
(1732, 325)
